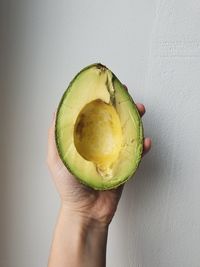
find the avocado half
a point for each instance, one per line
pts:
(98, 132)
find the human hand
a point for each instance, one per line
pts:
(98, 206)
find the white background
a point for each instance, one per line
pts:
(43, 45)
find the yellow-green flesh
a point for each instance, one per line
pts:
(108, 149)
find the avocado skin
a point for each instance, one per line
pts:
(141, 134)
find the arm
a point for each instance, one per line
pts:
(78, 241)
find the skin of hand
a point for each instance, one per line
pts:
(98, 206)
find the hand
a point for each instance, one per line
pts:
(99, 206)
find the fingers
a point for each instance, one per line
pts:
(141, 109)
(125, 87)
(146, 145)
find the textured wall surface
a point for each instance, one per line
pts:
(154, 48)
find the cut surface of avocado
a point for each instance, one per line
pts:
(99, 133)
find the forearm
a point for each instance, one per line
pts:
(78, 241)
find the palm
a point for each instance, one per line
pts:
(101, 205)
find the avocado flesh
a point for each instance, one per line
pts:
(99, 132)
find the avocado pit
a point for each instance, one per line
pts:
(98, 135)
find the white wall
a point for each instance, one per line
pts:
(154, 48)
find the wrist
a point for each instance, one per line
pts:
(83, 219)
